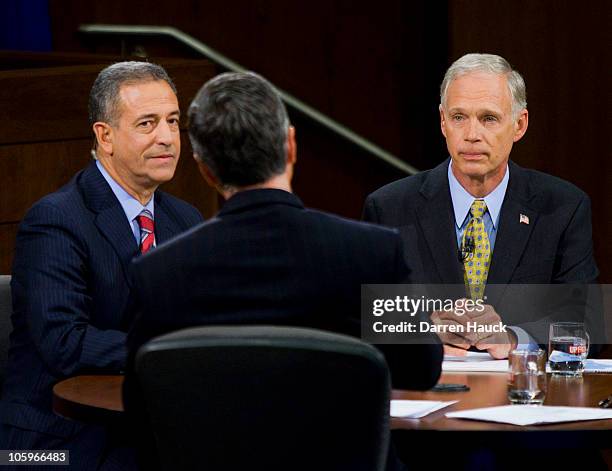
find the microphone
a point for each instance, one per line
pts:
(466, 249)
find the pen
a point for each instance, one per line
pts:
(605, 403)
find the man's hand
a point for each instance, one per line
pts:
(454, 351)
(498, 344)
(457, 339)
(474, 324)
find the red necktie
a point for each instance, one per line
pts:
(147, 228)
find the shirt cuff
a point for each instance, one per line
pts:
(524, 340)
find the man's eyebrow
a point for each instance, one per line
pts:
(146, 116)
(155, 115)
(479, 111)
(490, 111)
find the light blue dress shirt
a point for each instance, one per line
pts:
(131, 206)
(462, 201)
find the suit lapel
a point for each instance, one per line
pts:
(435, 216)
(110, 218)
(516, 223)
(164, 227)
(113, 225)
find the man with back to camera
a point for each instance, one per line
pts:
(265, 259)
(71, 290)
(508, 224)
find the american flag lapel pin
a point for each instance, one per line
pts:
(523, 219)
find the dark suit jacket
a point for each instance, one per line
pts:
(71, 292)
(265, 259)
(555, 247)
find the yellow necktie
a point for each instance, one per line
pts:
(477, 263)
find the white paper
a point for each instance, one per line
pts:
(469, 356)
(407, 409)
(598, 366)
(474, 361)
(532, 415)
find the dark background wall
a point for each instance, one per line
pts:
(372, 66)
(562, 48)
(376, 67)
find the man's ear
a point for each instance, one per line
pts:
(520, 126)
(442, 121)
(104, 136)
(207, 174)
(291, 146)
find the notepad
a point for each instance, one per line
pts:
(532, 415)
(407, 409)
(483, 362)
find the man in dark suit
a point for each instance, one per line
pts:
(482, 220)
(70, 285)
(265, 259)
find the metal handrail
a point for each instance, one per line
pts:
(226, 63)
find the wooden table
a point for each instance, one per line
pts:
(98, 399)
(91, 399)
(489, 389)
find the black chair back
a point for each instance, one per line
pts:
(265, 398)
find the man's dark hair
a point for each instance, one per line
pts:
(104, 99)
(238, 127)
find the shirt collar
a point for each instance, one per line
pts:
(131, 206)
(462, 200)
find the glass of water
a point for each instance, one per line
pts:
(568, 347)
(527, 376)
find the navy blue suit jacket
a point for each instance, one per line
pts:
(265, 259)
(71, 295)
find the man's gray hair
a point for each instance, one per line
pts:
(238, 126)
(492, 64)
(104, 98)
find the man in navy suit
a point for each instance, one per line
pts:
(265, 258)
(71, 290)
(536, 227)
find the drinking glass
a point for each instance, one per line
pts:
(568, 347)
(527, 376)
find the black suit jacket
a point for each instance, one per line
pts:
(71, 296)
(265, 259)
(554, 247)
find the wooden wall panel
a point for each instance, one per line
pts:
(30, 171)
(332, 176)
(50, 104)
(562, 49)
(7, 242)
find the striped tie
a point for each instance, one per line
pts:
(147, 228)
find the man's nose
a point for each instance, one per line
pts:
(472, 132)
(164, 135)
